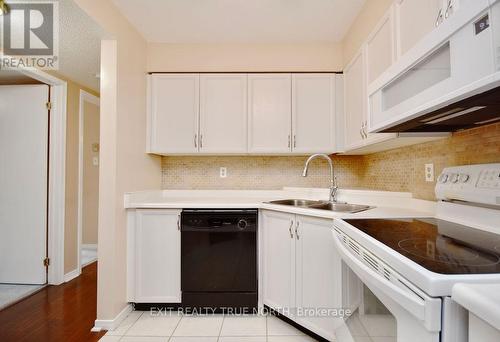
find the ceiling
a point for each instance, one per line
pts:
(79, 45)
(241, 21)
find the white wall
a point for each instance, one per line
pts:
(244, 57)
(124, 164)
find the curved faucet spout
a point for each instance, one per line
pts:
(333, 180)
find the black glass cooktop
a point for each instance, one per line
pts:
(439, 246)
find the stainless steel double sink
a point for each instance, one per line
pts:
(323, 205)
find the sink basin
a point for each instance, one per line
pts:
(297, 202)
(340, 207)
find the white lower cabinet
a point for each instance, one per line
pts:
(301, 270)
(156, 259)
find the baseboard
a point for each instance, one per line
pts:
(111, 324)
(71, 275)
(89, 246)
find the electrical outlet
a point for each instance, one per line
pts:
(223, 172)
(429, 172)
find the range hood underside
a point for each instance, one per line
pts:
(475, 111)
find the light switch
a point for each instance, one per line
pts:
(95, 161)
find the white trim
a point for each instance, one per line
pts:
(57, 172)
(84, 97)
(71, 275)
(112, 324)
(89, 246)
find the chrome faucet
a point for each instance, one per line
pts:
(333, 180)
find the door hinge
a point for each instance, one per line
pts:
(48, 105)
(46, 262)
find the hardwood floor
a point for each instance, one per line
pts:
(56, 313)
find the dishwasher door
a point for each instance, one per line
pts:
(219, 258)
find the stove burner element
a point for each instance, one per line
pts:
(446, 250)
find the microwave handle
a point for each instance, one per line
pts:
(414, 304)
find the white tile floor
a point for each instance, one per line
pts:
(11, 293)
(144, 327)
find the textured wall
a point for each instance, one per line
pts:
(395, 170)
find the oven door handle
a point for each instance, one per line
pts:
(421, 306)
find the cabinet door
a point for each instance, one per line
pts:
(223, 113)
(355, 99)
(269, 113)
(313, 113)
(173, 113)
(415, 19)
(380, 47)
(318, 278)
(158, 256)
(278, 260)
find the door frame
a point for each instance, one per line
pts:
(57, 172)
(84, 97)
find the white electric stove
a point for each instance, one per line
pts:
(398, 274)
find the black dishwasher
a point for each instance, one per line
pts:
(219, 258)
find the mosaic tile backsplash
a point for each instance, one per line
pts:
(400, 169)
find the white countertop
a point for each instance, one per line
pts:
(387, 204)
(482, 300)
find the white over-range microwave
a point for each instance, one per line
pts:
(449, 81)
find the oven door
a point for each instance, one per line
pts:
(383, 305)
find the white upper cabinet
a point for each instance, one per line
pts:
(313, 113)
(355, 102)
(223, 113)
(269, 113)
(230, 113)
(415, 19)
(380, 47)
(173, 113)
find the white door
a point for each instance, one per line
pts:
(354, 102)
(173, 113)
(278, 260)
(313, 113)
(158, 256)
(415, 19)
(318, 278)
(223, 113)
(269, 113)
(23, 182)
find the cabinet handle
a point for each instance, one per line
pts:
(289, 140)
(201, 140)
(449, 7)
(297, 230)
(361, 132)
(179, 222)
(294, 141)
(439, 18)
(365, 126)
(196, 140)
(290, 229)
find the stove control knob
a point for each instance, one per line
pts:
(443, 178)
(454, 178)
(463, 178)
(242, 224)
